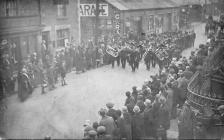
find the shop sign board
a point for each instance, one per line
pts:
(117, 23)
(89, 10)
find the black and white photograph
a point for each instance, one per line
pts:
(112, 69)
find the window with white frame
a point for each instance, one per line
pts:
(62, 34)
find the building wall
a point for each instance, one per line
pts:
(51, 22)
(136, 21)
(106, 23)
(20, 24)
(167, 16)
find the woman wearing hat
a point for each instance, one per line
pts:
(127, 119)
(137, 124)
(148, 119)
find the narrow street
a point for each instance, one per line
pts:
(61, 113)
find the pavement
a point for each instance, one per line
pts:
(62, 112)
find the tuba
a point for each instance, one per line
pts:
(111, 51)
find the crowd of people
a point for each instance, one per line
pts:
(148, 110)
(45, 68)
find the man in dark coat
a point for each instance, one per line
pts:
(111, 112)
(119, 132)
(147, 60)
(134, 60)
(134, 93)
(123, 56)
(107, 122)
(130, 102)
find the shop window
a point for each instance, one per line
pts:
(61, 36)
(8, 7)
(61, 10)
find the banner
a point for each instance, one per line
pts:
(89, 10)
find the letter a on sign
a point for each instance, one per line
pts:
(88, 9)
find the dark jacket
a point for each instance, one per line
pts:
(163, 117)
(112, 113)
(148, 121)
(137, 126)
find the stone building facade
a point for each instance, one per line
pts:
(129, 16)
(59, 22)
(20, 25)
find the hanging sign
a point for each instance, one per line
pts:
(89, 9)
(117, 23)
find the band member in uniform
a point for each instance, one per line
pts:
(110, 50)
(118, 57)
(147, 59)
(123, 56)
(134, 60)
(141, 49)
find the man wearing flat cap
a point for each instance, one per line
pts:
(111, 112)
(107, 122)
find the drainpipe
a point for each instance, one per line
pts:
(97, 21)
(79, 22)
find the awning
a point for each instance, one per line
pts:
(142, 4)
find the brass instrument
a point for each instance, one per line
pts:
(146, 52)
(111, 51)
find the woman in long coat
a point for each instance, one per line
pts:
(148, 119)
(137, 124)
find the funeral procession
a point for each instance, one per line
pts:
(112, 69)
